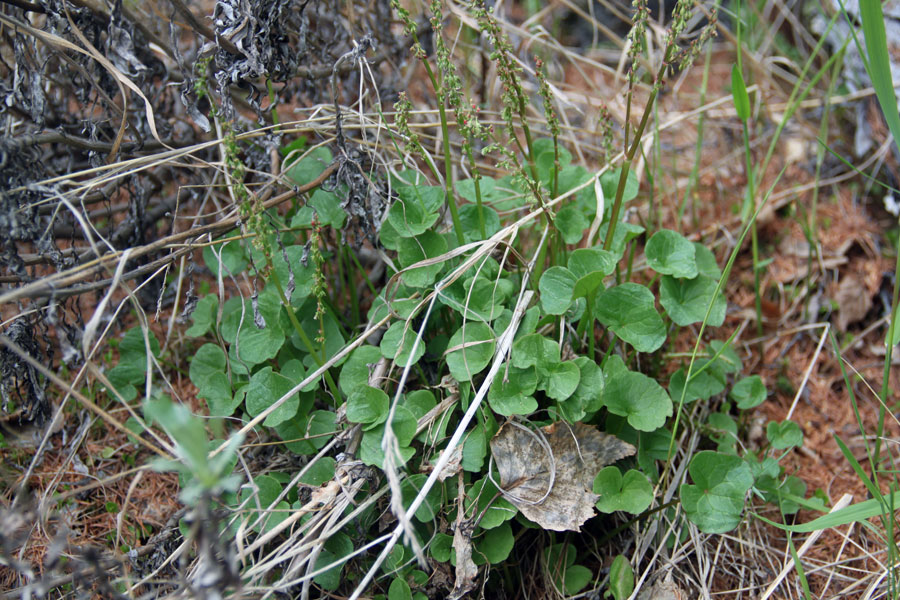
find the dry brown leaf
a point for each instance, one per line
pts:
(466, 571)
(554, 494)
(664, 589)
(853, 299)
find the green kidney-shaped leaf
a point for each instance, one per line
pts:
(609, 181)
(207, 372)
(267, 490)
(319, 472)
(571, 223)
(234, 260)
(480, 496)
(337, 546)
(409, 215)
(706, 262)
(784, 435)
(204, 316)
(367, 405)
(629, 312)
(414, 249)
(471, 226)
(327, 208)
(561, 380)
(511, 392)
(470, 350)
(621, 578)
(466, 188)
(749, 392)
(399, 590)
(535, 350)
(496, 544)
(208, 359)
(308, 168)
(264, 389)
(670, 253)
(590, 266)
(687, 300)
(356, 370)
(398, 341)
(703, 385)
(638, 398)
(631, 493)
(556, 287)
(715, 501)
(370, 451)
(305, 435)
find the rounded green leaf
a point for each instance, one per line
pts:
(629, 310)
(590, 266)
(706, 262)
(480, 496)
(256, 345)
(703, 385)
(470, 350)
(404, 425)
(398, 341)
(440, 547)
(644, 403)
(496, 543)
(367, 405)
(590, 384)
(556, 287)
(571, 223)
(784, 435)
(466, 188)
(337, 546)
(265, 388)
(670, 253)
(469, 221)
(576, 579)
(687, 300)
(609, 181)
(208, 359)
(749, 392)
(561, 380)
(216, 390)
(414, 249)
(308, 168)
(267, 490)
(419, 402)
(319, 472)
(305, 435)
(327, 208)
(535, 350)
(621, 578)
(399, 590)
(234, 260)
(304, 276)
(723, 431)
(631, 493)
(370, 451)
(408, 214)
(356, 370)
(431, 507)
(204, 316)
(511, 392)
(715, 501)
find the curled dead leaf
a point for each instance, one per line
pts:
(466, 571)
(853, 300)
(548, 474)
